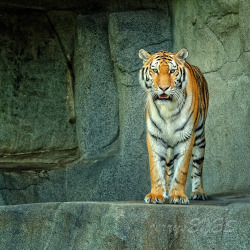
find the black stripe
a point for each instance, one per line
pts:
(162, 158)
(176, 156)
(197, 137)
(180, 84)
(196, 167)
(183, 126)
(183, 104)
(200, 127)
(184, 140)
(172, 160)
(200, 174)
(181, 73)
(151, 119)
(184, 75)
(158, 111)
(198, 161)
(171, 167)
(170, 163)
(179, 81)
(201, 142)
(158, 138)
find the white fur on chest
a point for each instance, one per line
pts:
(167, 126)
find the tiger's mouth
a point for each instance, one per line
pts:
(164, 97)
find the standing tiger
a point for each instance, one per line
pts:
(177, 103)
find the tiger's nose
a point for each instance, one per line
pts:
(163, 88)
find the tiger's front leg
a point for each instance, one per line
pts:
(169, 169)
(182, 153)
(157, 162)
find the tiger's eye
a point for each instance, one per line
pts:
(155, 71)
(172, 71)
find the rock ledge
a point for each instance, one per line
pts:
(220, 223)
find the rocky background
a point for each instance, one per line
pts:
(72, 111)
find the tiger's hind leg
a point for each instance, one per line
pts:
(196, 175)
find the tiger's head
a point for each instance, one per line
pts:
(163, 74)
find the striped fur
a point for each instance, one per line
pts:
(177, 103)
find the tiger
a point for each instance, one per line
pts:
(177, 101)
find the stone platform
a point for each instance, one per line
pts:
(222, 222)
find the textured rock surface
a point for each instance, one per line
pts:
(215, 33)
(96, 90)
(222, 223)
(33, 88)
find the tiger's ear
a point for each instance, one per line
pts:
(144, 55)
(182, 54)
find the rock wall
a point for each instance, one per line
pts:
(74, 114)
(36, 126)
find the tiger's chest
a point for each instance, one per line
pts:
(169, 123)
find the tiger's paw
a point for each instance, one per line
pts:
(154, 198)
(198, 196)
(179, 199)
